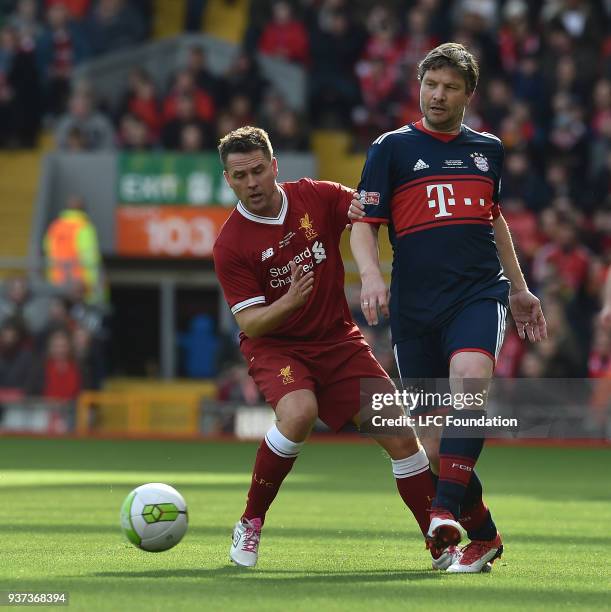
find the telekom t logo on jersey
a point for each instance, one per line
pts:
(437, 193)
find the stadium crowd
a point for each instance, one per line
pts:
(545, 89)
(51, 341)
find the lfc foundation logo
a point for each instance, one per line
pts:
(305, 223)
(286, 375)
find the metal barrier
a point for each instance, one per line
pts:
(157, 412)
(35, 415)
(139, 413)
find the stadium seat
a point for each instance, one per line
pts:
(18, 186)
(226, 20)
(169, 18)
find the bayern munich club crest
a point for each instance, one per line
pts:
(481, 162)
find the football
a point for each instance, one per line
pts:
(154, 517)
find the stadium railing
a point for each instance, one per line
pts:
(171, 413)
(35, 415)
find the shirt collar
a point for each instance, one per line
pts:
(279, 220)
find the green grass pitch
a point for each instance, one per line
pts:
(337, 537)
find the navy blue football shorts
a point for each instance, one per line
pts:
(478, 327)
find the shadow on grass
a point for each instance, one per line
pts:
(281, 576)
(296, 533)
(323, 483)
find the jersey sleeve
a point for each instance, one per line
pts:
(375, 185)
(337, 198)
(240, 285)
(496, 195)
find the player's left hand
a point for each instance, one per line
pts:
(374, 294)
(356, 210)
(526, 312)
(605, 317)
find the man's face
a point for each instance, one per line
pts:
(443, 98)
(253, 179)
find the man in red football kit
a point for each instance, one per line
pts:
(278, 260)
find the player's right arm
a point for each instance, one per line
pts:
(367, 212)
(244, 291)
(605, 313)
(374, 292)
(258, 321)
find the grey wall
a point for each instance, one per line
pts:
(92, 175)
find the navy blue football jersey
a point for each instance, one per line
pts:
(439, 194)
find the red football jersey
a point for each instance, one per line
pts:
(252, 254)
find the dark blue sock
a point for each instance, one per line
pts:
(457, 458)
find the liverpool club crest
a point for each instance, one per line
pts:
(305, 223)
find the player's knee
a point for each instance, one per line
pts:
(399, 447)
(297, 422)
(474, 366)
(431, 446)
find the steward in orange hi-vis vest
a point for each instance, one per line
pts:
(72, 252)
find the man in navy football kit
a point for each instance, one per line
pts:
(278, 260)
(436, 184)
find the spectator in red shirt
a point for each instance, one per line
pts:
(516, 38)
(60, 48)
(417, 40)
(141, 102)
(602, 105)
(57, 375)
(284, 36)
(77, 8)
(524, 226)
(186, 115)
(599, 361)
(184, 85)
(378, 84)
(564, 259)
(383, 42)
(510, 357)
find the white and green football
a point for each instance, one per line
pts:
(154, 517)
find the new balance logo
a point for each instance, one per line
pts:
(267, 254)
(420, 165)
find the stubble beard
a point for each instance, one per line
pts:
(451, 124)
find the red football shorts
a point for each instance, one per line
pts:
(332, 370)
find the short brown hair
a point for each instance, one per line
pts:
(245, 140)
(455, 56)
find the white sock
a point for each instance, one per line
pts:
(410, 466)
(281, 445)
